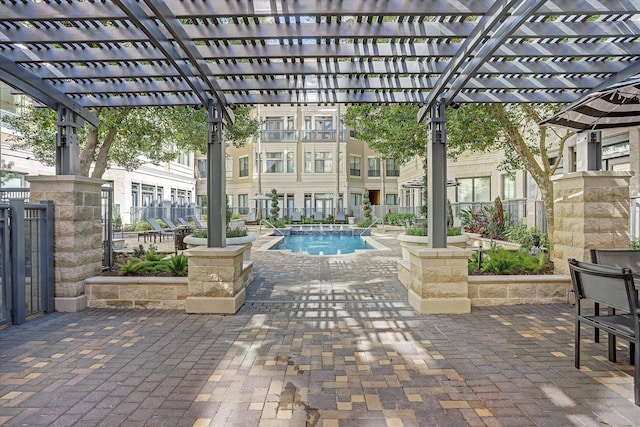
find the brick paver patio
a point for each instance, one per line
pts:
(322, 341)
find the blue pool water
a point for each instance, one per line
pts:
(322, 244)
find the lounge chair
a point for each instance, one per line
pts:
(173, 227)
(317, 217)
(251, 218)
(184, 222)
(295, 218)
(197, 222)
(159, 230)
(341, 218)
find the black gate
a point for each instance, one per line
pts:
(26, 260)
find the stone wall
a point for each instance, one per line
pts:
(136, 292)
(591, 211)
(77, 233)
(513, 290)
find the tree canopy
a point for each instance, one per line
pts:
(128, 137)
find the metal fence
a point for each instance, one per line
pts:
(26, 260)
(107, 226)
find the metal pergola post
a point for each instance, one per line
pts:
(67, 143)
(216, 197)
(437, 176)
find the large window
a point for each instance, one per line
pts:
(228, 167)
(275, 163)
(324, 127)
(391, 199)
(355, 199)
(508, 187)
(148, 193)
(134, 195)
(393, 167)
(290, 162)
(243, 166)
(373, 166)
(243, 204)
(474, 189)
(308, 167)
(201, 171)
(324, 162)
(354, 165)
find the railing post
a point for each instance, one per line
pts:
(46, 256)
(5, 263)
(18, 283)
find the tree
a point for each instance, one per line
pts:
(470, 128)
(366, 209)
(5, 171)
(127, 137)
(275, 209)
(513, 128)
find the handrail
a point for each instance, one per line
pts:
(273, 226)
(375, 221)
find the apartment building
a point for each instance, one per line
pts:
(312, 161)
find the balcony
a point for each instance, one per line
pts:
(319, 135)
(279, 136)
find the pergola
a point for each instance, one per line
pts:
(72, 56)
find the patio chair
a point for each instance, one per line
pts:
(341, 218)
(317, 217)
(173, 227)
(251, 219)
(184, 222)
(296, 218)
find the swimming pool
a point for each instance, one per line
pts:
(322, 244)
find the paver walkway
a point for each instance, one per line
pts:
(321, 342)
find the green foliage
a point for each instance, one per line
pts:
(139, 251)
(475, 221)
(366, 208)
(231, 232)
(228, 212)
(278, 223)
(449, 214)
(495, 221)
(524, 236)
(423, 231)
(275, 209)
(391, 130)
(127, 137)
(139, 226)
(501, 261)
(634, 244)
(365, 223)
(398, 219)
(178, 265)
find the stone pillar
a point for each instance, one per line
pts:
(591, 211)
(439, 280)
(218, 278)
(634, 160)
(77, 233)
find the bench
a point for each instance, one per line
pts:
(620, 258)
(615, 288)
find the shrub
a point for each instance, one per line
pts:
(634, 244)
(178, 265)
(502, 261)
(366, 209)
(398, 219)
(232, 232)
(423, 231)
(475, 222)
(495, 220)
(524, 236)
(140, 226)
(275, 209)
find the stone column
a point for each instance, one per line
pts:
(439, 280)
(77, 233)
(591, 211)
(634, 160)
(218, 278)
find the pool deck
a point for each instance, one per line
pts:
(322, 341)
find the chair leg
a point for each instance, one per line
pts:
(636, 372)
(577, 346)
(612, 339)
(632, 353)
(596, 331)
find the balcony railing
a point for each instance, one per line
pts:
(354, 172)
(319, 135)
(279, 136)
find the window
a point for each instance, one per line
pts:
(324, 162)
(341, 162)
(324, 127)
(148, 193)
(201, 171)
(290, 162)
(243, 166)
(373, 166)
(355, 199)
(134, 195)
(354, 165)
(184, 158)
(159, 194)
(508, 187)
(307, 162)
(274, 163)
(393, 167)
(474, 189)
(228, 167)
(391, 199)
(243, 203)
